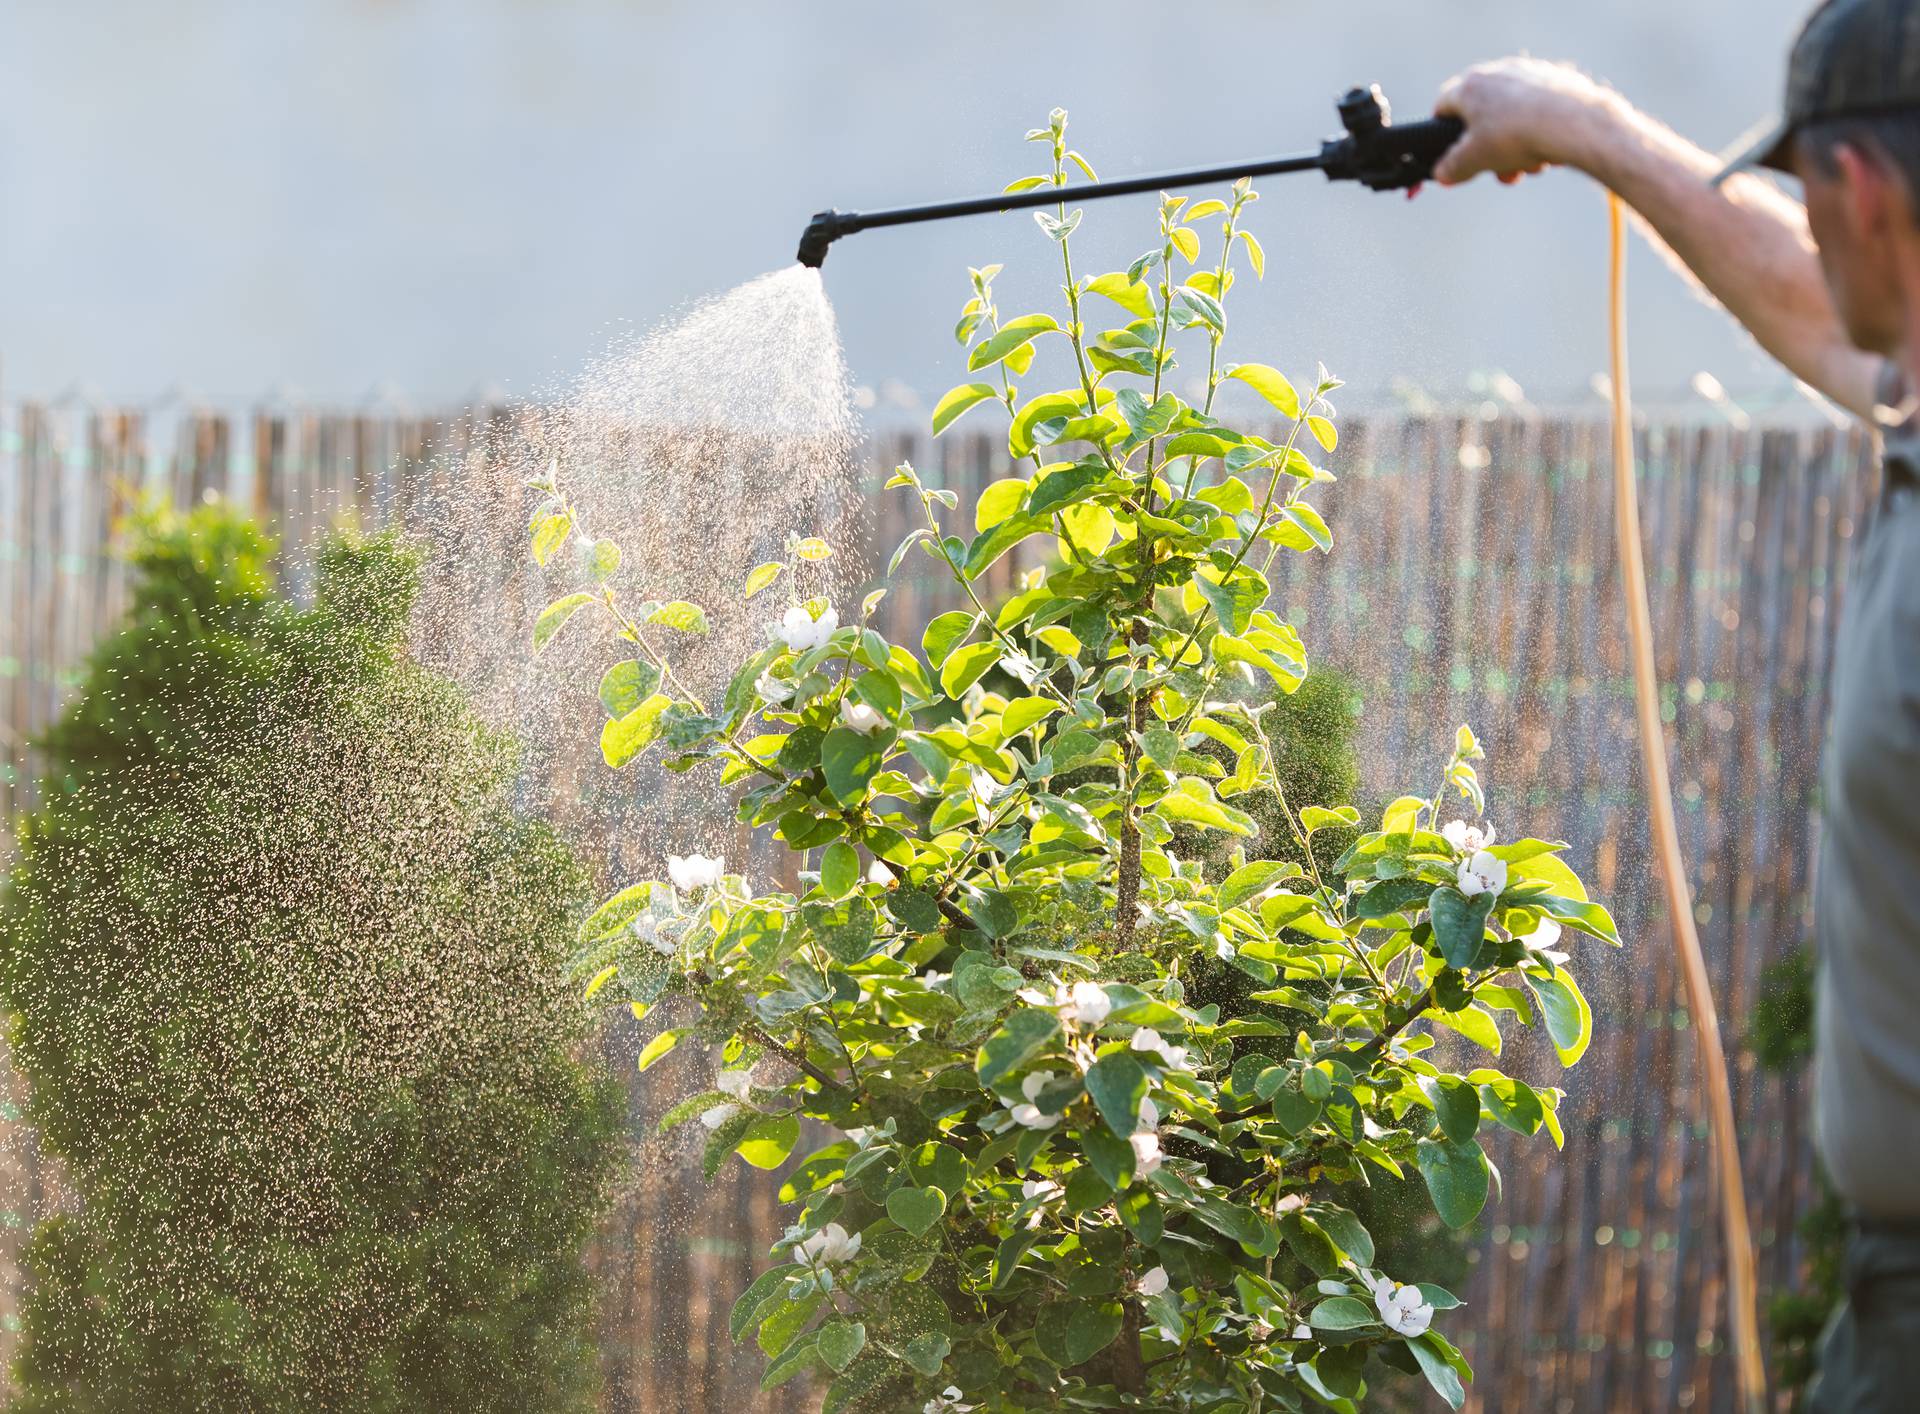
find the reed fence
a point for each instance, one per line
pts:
(1472, 579)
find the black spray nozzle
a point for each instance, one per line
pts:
(1376, 152)
(823, 230)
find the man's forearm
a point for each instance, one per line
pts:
(1744, 242)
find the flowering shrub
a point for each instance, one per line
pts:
(1100, 1103)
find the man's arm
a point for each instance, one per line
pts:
(1745, 242)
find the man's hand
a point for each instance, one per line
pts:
(1522, 115)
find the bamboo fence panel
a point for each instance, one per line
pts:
(1472, 579)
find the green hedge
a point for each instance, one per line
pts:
(284, 970)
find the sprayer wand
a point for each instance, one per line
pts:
(1376, 152)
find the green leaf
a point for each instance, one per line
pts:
(1569, 1019)
(916, 1209)
(769, 1139)
(849, 759)
(626, 685)
(840, 1340)
(1014, 334)
(1392, 896)
(1296, 1112)
(1130, 295)
(1270, 384)
(1192, 802)
(1111, 1158)
(1038, 414)
(845, 930)
(603, 561)
(1118, 1083)
(659, 1046)
(1250, 879)
(957, 401)
(999, 502)
(1440, 1374)
(679, 615)
(1459, 923)
(724, 1140)
(990, 545)
(915, 908)
(1023, 712)
(1318, 817)
(1143, 421)
(1456, 1105)
(746, 1310)
(1514, 1104)
(554, 617)
(1474, 1022)
(839, 869)
(991, 911)
(1234, 601)
(1061, 488)
(761, 576)
(1403, 816)
(1342, 1313)
(1256, 256)
(1346, 1230)
(1588, 918)
(967, 665)
(927, 1353)
(1073, 1332)
(944, 631)
(1456, 1176)
(1301, 528)
(550, 532)
(626, 737)
(1020, 1038)
(1140, 1211)
(1323, 432)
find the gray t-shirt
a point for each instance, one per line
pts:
(1867, 900)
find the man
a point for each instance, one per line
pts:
(1832, 290)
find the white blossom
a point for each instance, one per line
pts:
(878, 873)
(1146, 1154)
(1482, 873)
(827, 1247)
(861, 717)
(772, 689)
(1402, 1308)
(1030, 1115)
(1147, 1039)
(1152, 1283)
(1541, 940)
(719, 1115)
(694, 871)
(946, 1402)
(1149, 1114)
(801, 631)
(1468, 839)
(734, 1082)
(1301, 1332)
(1083, 1004)
(1042, 1189)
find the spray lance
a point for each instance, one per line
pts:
(1388, 156)
(1376, 151)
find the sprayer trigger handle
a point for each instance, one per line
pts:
(1392, 156)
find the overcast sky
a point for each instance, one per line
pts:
(446, 194)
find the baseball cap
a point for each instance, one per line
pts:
(1853, 58)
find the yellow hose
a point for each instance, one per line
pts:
(1737, 1237)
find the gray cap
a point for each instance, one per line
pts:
(1853, 58)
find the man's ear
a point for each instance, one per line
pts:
(1876, 204)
